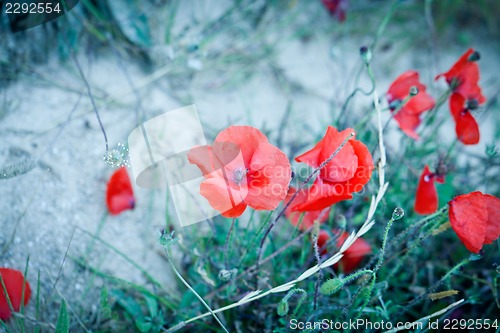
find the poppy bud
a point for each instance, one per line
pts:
(341, 222)
(413, 91)
(366, 55)
(331, 286)
(117, 157)
(472, 104)
(398, 213)
(282, 308)
(393, 105)
(475, 56)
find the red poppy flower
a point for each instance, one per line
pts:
(119, 193)
(345, 174)
(353, 256)
(14, 284)
(465, 125)
(426, 199)
(309, 217)
(408, 116)
(242, 169)
(336, 8)
(474, 217)
(463, 77)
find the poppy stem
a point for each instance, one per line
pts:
(226, 244)
(384, 245)
(320, 272)
(377, 266)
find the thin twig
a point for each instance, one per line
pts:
(89, 91)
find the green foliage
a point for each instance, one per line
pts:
(62, 325)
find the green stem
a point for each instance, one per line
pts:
(192, 290)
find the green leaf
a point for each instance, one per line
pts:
(143, 326)
(128, 303)
(62, 325)
(152, 306)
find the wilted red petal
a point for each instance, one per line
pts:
(464, 74)
(465, 125)
(420, 103)
(408, 123)
(493, 223)
(426, 199)
(457, 105)
(408, 116)
(458, 67)
(14, 283)
(468, 217)
(119, 192)
(467, 129)
(400, 88)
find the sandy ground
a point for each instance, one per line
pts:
(52, 123)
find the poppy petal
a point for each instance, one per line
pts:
(343, 166)
(14, 282)
(247, 138)
(457, 105)
(426, 199)
(463, 76)
(420, 103)
(223, 198)
(311, 157)
(467, 129)
(457, 68)
(493, 222)
(323, 194)
(408, 123)
(268, 186)
(119, 192)
(364, 171)
(400, 88)
(407, 116)
(468, 216)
